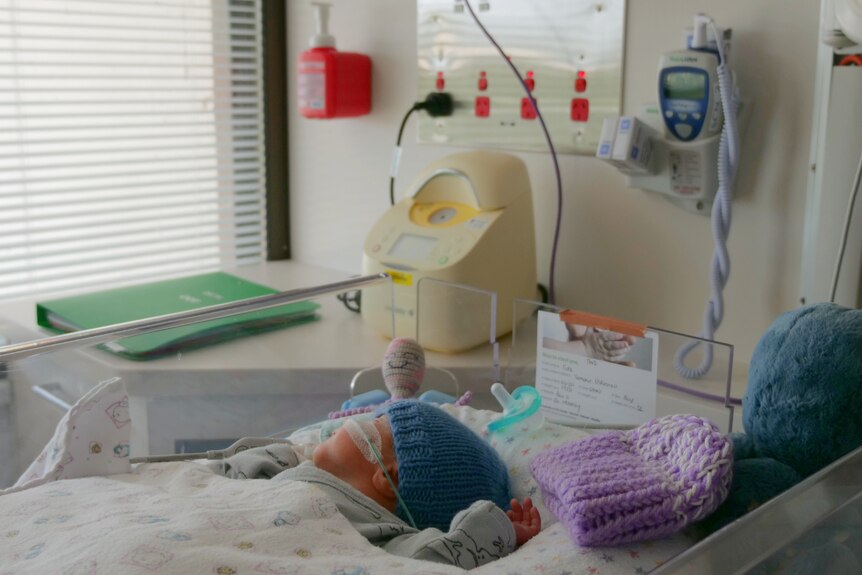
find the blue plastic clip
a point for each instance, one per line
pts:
(373, 397)
(438, 397)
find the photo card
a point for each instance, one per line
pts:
(589, 374)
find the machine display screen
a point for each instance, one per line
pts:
(412, 247)
(685, 86)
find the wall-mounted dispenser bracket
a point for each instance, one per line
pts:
(685, 172)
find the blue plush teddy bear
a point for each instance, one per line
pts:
(802, 408)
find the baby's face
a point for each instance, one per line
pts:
(342, 455)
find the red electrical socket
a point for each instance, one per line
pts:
(580, 109)
(483, 106)
(527, 110)
(483, 81)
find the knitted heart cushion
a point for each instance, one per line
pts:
(645, 483)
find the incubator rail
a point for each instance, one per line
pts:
(113, 332)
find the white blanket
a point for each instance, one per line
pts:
(181, 518)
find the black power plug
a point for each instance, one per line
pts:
(437, 104)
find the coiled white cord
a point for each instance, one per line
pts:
(728, 157)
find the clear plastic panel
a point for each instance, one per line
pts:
(709, 396)
(456, 326)
(218, 380)
(814, 527)
(459, 319)
(452, 318)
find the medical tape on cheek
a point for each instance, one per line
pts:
(365, 436)
(375, 449)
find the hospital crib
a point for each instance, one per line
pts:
(269, 384)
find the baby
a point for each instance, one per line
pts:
(413, 481)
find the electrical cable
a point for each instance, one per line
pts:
(397, 155)
(543, 291)
(352, 300)
(854, 192)
(436, 104)
(699, 394)
(551, 291)
(728, 159)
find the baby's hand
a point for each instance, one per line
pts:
(525, 519)
(608, 345)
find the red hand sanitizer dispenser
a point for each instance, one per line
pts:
(332, 84)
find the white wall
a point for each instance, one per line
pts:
(623, 252)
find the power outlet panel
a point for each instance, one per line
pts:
(570, 53)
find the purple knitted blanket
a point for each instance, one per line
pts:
(624, 486)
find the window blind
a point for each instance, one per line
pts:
(131, 141)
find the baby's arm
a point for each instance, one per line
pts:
(480, 534)
(259, 462)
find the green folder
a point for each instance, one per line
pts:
(124, 304)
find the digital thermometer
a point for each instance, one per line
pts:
(688, 94)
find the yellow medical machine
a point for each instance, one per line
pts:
(468, 220)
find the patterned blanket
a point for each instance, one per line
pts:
(182, 518)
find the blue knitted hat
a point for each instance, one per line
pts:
(443, 467)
